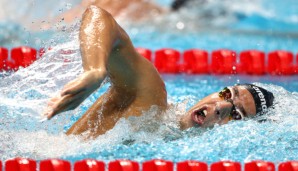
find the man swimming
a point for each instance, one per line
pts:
(135, 9)
(136, 86)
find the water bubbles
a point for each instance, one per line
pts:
(137, 138)
(52, 42)
(180, 25)
(38, 41)
(68, 6)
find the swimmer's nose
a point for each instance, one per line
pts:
(223, 108)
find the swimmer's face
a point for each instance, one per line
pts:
(233, 103)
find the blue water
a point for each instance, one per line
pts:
(249, 24)
(261, 25)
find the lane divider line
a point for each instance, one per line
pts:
(172, 61)
(24, 164)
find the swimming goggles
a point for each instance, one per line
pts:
(226, 95)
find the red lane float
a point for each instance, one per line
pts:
(20, 164)
(158, 165)
(259, 166)
(192, 166)
(22, 57)
(288, 166)
(195, 61)
(225, 166)
(223, 62)
(23, 164)
(296, 68)
(3, 58)
(123, 165)
(54, 165)
(145, 53)
(252, 62)
(89, 165)
(166, 60)
(280, 62)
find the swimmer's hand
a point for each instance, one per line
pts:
(75, 92)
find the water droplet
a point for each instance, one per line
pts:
(180, 25)
(68, 6)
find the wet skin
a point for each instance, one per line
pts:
(217, 110)
(107, 51)
(136, 86)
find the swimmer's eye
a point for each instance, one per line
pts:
(226, 94)
(235, 114)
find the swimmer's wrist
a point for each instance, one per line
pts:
(99, 71)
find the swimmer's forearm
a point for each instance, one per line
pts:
(97, 36)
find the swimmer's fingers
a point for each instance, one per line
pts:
(68, 102)
(51, 103)
(53, 100)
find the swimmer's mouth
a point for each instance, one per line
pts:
(198, 116)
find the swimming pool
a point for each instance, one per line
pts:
(24, 94)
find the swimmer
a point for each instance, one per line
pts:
(120, 9)
(136, 86)
(177, 4)
(135, 10)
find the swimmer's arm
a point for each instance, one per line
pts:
(98, 34)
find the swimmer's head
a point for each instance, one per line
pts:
(263, 98)
(231, 103)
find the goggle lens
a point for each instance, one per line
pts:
(234, 115)
(226, 94)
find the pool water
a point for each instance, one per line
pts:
(24, 94)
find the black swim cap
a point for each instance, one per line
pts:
(177, 4)
(263, 98)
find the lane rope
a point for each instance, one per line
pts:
(21, 164)
(191, 61)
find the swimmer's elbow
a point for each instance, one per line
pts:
(97, 11)
(96, 21)
(102, 18)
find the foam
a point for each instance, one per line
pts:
(145, 137)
